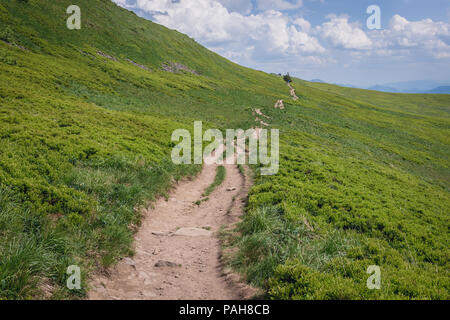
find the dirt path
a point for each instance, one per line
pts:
(177, 248)
(258, 112)
(292, 91)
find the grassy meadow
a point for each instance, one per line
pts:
(85, 142)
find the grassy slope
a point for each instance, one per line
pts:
(364, 180)
(85, 140)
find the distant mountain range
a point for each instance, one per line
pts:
(442, 89)
(417, 86)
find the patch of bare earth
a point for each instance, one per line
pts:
(292, 92)
(257, 119)
(15, 45)
(107, 56)
(178, 251)
(258, 112)
(175, 67)
(279, 105)
(139, 65)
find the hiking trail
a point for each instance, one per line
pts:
(177, 249)
(292, 92)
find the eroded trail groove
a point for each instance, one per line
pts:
(177, 247)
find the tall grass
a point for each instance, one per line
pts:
(31, 253)
(269, 239)
(36, 249)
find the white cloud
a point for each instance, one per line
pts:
(425, 34)
(417, 39)
(204, 20)
(268, 34)
(343, 34)
(304, 25)
(426, 27)
(302, 42)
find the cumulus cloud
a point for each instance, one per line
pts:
(302, 42)
(426, 34)
(205, 20)
(343, 34)
(267, 34)
(304, 25)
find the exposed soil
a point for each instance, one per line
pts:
(178, 253)
(175, 67)
(258, 112)
(279, 105)
(139, 65)
(292, 91)
(107, 56)
(15, 45)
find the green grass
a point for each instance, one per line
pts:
(85, 141)
(218, 180)
(361, 172)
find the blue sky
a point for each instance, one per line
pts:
(324, 39)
